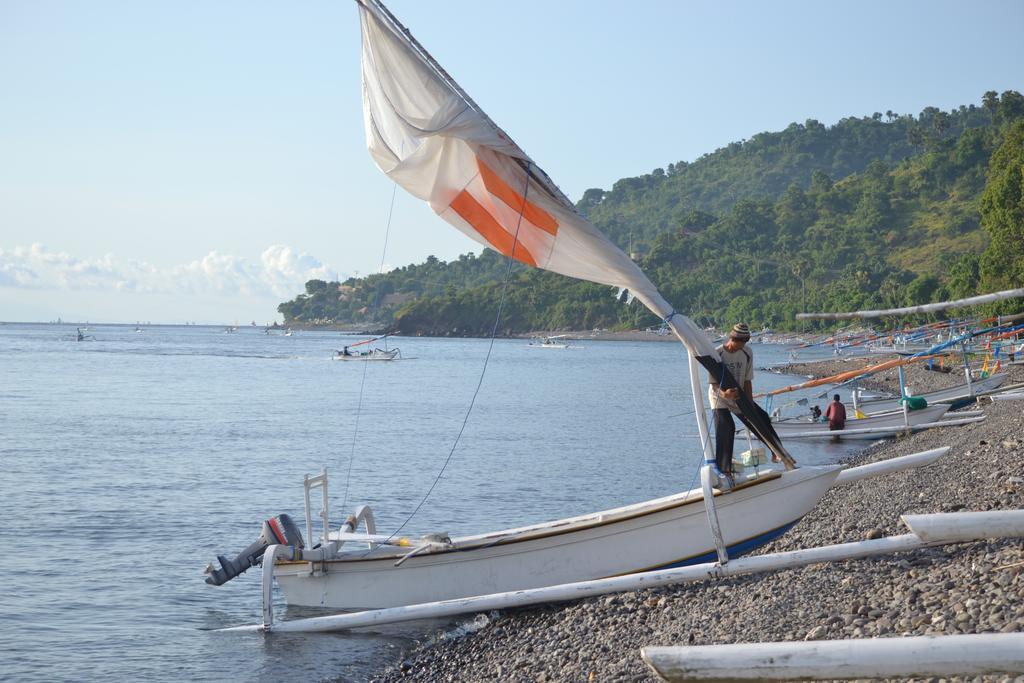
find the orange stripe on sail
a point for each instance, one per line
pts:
(497, 186)
(484, 223)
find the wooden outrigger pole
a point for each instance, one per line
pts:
(911, 310)
(912, 657)
(843, 376)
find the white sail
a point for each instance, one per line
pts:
(428, 135)
(424, 132)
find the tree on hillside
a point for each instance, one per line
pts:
(1011, 106)
(314, 287)
(1002, 214)
(963, 277)
(991, 101)
(812, 217)
(921, 289)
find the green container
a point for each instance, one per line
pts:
(915, 402)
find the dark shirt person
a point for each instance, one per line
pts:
(836, 414)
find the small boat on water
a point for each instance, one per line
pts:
(373, 354)
(80, 335)
(353, 352)
(560, 341)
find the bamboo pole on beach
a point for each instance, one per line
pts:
(916, 657)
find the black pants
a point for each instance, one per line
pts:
(725, 434)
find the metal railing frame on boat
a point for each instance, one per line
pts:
(325, 551)
(308, 484)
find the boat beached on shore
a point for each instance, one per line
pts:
(956, 397)
(429, 136)
(874, 427)
(373, 571)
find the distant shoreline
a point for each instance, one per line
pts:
(604, 335)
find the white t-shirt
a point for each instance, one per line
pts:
(741, 365)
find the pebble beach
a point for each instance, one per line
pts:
(967, 588)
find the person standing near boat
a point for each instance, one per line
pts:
(836, 414)
(739, 360)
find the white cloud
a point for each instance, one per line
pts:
(280, 273)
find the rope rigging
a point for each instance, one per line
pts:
(483, 370)
(362, 381)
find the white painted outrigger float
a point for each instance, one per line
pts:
(917, 657)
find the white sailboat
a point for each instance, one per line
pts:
(354, 352)
(426, 133)
(374, 570)
(558, 341)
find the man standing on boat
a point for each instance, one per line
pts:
(739, 360)
(836, 414)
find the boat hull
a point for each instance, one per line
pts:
(375, 356)
(895, 421)
(646, 536)
(957, 396)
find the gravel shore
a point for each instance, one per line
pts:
(967, 588)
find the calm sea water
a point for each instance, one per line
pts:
(132, 460)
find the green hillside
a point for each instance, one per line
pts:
(877, 211)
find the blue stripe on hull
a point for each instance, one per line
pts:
(737, 549)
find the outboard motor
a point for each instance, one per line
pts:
(280, 530)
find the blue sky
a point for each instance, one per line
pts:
(188, 160)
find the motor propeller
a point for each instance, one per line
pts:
(279, 530)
